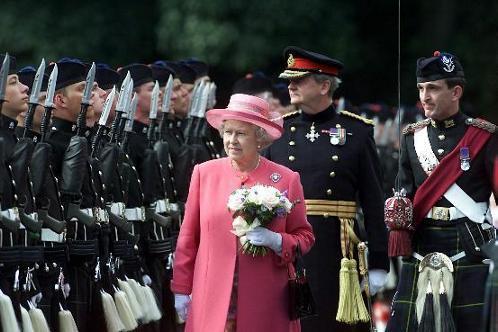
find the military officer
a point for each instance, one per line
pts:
(447, 170)
(336, 157)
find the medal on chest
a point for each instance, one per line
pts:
(465, 158)
(337, 135)
(312, 135)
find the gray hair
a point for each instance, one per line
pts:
(262, 136)
(334, 82)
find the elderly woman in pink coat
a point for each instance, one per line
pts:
(217, 287)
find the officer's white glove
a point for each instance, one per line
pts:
(182, 304)
(377, 278)
(261, 236)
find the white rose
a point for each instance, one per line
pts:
(243, 240)
(270, 198)
(255, 196)
(240, 226)
(236, 201)
(288, 205)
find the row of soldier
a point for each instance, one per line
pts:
(92, 187)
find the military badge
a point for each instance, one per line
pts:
(275, 177)
(448, 65)
(290, 61)
(312, 135)
(465, 158)
(337, 135)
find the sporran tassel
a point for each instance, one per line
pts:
(113, 322)
(26, 321)
(124, 310)
(132, 299)
(155, 313)
(427, 323)
(7, 315)
(66, 321)
(447, 323)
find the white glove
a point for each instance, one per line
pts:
(261, 236)
(377, 278)
(182, 304)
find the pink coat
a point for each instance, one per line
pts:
(206, 252)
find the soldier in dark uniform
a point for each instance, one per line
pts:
(446, 169)
(26, 76)
(336, 157)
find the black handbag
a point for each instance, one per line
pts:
(301, 302)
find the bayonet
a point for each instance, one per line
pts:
(33, 98)
(131, 115)
(103, 120)
(4, 74)
(212, 95)
(37, 84)
(154, 102)
(121, 105)
(107, 107)
(49, 102)
(90, 79)
(168, 90)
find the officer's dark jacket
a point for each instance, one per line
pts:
(347, 172)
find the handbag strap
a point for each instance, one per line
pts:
(297, 264)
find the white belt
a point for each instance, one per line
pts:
(118, 208)
(100, 214)
(134, 214)
(12, 213)
(48, 235)
(162, 205)
(452, 213)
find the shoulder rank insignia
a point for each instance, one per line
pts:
(357, 117)
(410, 129)
(290, 114)
(480, 123)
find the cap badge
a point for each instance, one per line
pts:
(448, 65)
(275, 177)
(290, 61)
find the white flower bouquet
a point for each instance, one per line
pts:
(253, 207)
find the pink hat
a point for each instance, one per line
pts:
(250, 109)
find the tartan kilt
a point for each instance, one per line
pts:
(469, 276)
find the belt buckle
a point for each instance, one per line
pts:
(440, 213)
(142, 213)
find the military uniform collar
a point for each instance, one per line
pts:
(63, 125)
(140, 128)
(7, 123)
(320, 117)
(452, 121)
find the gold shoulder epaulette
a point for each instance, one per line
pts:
(288, 115)
(410, 129)
(357, 117)
(480, 123)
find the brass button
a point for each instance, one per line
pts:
(326, 215)
(292, 143)
(292, 158)
(335, 157)
(332, 174)
(441, 137)
(440, 151)
(293, 129)
(329, 192)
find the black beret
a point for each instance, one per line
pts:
(70, 71)
(161, 72)
(139, 72)
(12, 67)
(201, 68)
(183, 71)
(301, 63)
(252, 84)
(27, 76)
(281, 91)
(440, 66)
(106, 77)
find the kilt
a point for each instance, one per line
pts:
(469, 275)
